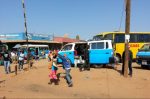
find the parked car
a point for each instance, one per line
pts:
(143, 56)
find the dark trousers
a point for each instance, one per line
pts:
(129, 66)
(86, 66)
(21, 63)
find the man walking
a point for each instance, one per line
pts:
(7, 60)
(86, 65)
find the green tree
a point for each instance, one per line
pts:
(77, 37)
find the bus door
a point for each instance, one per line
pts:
(99, 53)
(68, 50)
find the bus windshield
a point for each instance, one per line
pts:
(98, 37)
(36, 49)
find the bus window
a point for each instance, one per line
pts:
(93, 46)
(133, 38)
(67, 47)
(108, 37)
(119, 38)
(144, 38)
(99, 45)
(37, 49)
(99, 37)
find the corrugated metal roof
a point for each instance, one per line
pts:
(63, 39)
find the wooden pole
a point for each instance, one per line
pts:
(25, 27)
(26, 33)
(127, 33)
(16, 69)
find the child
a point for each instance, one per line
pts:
(53, 67)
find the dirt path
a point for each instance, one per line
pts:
(96, 83)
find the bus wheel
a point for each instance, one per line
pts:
(72, 65)
(143, 66)
(104, 65)
(148, 67)
(96, 66)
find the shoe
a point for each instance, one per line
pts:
(56, 81)
(50, 82)
(70, 85)
(80, 69)
(88, 69)
(115, 68)
(130, 75)
(70, 77)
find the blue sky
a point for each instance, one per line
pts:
(72, 17)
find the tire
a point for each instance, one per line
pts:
(143, 66)
(94, 65)
(104, 65)
(97, 66)
(72, 65)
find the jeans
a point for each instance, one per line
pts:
(21, 63)
(68, 76)
(7, 66)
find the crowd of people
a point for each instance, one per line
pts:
(18, 57)
(12, 57)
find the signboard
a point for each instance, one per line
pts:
(22, 36)
(127, 37)
(12, 36)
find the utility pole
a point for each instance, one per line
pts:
(25, 22)
(127, 37)
(25, 27)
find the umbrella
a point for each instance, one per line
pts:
(17, 46)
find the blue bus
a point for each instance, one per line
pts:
(100, 52)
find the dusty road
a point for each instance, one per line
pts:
(96, 83)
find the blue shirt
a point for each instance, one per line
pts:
(65, 61)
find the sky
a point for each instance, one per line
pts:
(85, 18)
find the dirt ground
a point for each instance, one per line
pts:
(96, 83)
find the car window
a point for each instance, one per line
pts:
(98, 45)
(67, 47)
(145, 47)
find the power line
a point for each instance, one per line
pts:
(122, 13)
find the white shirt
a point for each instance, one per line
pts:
(21, 56)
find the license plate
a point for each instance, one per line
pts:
(144, 62)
